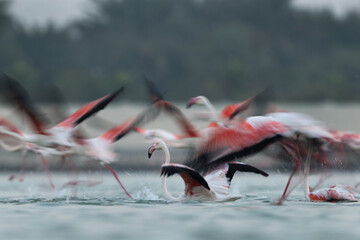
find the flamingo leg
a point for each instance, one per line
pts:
(72, 174)
(23, 165)
(71, 169)
(47, 171)
(117, 178)
(296, 159)
(321, 180)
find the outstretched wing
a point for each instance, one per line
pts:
(191, 177)
(153, 91)
(16, 94)
(230, 111)
(184, 123)
(222, 144)
(88, 110)
(161, 104)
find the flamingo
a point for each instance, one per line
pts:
(251, 136)
(335, 193)
(57, 140)
(226, 115)
(221, 144)
(290, 147)
(62, 133)
(99, 148)
(213, 186)
(96, 148)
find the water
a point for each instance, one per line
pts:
(32, 210)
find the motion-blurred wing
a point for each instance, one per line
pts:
(184, 123)
(230, 111)
(17, 95)
(88, 110)
(152, 90)
(226, 144)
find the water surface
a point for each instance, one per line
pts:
(32, 210)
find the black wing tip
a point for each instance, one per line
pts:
(243, 167)
(111, 96)
(170, 170)
(152, 90)
(99, 106)
(119, 90)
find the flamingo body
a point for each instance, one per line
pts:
(334, 193)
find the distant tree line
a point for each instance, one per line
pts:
(224, 49)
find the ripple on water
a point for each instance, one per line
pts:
(104, 212)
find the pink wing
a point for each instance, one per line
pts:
(186, 126)
(88, 110)
(9, 125)
(230, 111)
(225, 144)
(119, 131)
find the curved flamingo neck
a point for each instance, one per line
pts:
(167, 161)
(307, 172)
(212, 110)
(210, 106)
(166, 192)
(167, 153)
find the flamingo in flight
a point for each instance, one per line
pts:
(62, 133)
(96, 148)
(57, 140)
(213, 186)
(289, 146)
(220, 144)
(161, 105)
(226, 115)
(253, 135)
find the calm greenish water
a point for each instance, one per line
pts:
(31, 210)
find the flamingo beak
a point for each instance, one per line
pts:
(151, 150)
(191, 102)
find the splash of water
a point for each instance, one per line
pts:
(146, 194)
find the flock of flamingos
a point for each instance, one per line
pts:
(217, 150)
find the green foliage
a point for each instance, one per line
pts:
(225, 49)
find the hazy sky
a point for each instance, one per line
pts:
(39, 12)
(339, 7)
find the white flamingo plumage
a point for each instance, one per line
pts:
(213, 186)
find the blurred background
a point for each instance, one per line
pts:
(306, 50)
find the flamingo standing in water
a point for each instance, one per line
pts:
(213, 186)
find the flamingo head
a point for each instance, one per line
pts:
(157, 145)
(200, 100)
